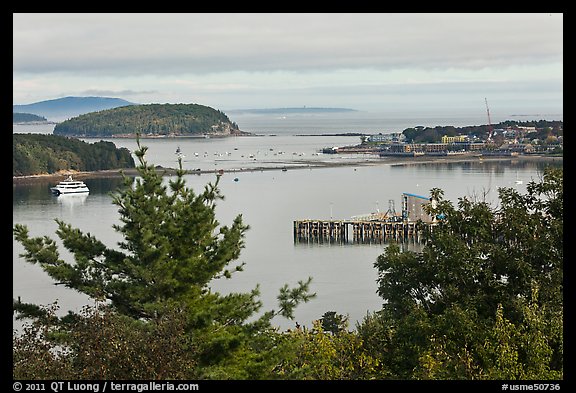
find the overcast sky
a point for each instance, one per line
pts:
(371, 62)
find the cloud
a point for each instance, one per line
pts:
(160, 44)
(270, 60)
(115, 93)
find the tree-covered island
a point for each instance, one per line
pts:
(27, 118)
(151, 120)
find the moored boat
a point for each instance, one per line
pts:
(70, 186)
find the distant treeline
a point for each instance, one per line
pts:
(544, 128)
(26, 117)
(34, 154)
(156, 119)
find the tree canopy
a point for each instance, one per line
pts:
(34, 154)
(155, 119)
(543, 128)
(482, 300)
(26, 118)
(173, 249)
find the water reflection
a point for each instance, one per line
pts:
(105, 185)
(71, 200)
(412, 244)
(483, 166)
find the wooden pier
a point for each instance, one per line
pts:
(355, 231)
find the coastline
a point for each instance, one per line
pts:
(394, 161)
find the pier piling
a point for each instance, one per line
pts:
(306, 231)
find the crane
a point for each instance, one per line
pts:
(489, 122)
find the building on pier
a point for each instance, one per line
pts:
(413, 207)
(369, 228)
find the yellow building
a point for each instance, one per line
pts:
(452, 139)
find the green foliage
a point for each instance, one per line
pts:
(290, 298)
(504, 350)
(435, 134)
(463, 308)
(101, 344)
(26, 117)
(34, 154)
(316, 354)
(154, 119)
(34, 354)
(334, 322)
(527, 350)
(173, 249)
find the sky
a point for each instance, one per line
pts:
(375, 62)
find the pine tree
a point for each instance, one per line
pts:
(173, 249)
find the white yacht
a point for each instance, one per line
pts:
(70, 186)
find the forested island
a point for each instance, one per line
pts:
(27, 118)
(34, 154)
(151, 120)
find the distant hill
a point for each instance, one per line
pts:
(27, 118)
(150, 120)
(291, 110)
(64, 108)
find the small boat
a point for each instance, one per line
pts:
(179, 153)
(70, 186)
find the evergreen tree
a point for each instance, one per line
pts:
(173, 249)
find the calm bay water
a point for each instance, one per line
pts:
(343, 275)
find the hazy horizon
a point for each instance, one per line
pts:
(374, 62)
(479, 113)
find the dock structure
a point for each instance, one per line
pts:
(355, 231)
(370, 228)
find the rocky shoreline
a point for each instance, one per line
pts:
(55, 177)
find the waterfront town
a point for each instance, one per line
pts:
(507, 139)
